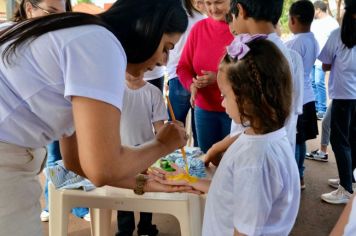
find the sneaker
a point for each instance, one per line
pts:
(87, 217)
(334, 183)
(44, 216)
(302, 184)
(317, 155)
(338, 196)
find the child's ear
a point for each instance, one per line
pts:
(242, 11)
(291, 20)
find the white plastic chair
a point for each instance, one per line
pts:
(187, 208)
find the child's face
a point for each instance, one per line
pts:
(200, 5)
(239, 22)
(292, 21)
(229, 98)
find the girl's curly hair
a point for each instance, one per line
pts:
(262, 84)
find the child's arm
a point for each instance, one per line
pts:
(215, 153)
(201, 185)
(162, 176)
(157, 125)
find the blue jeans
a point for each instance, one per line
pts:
(54, 155)
(300, 151)
(211, 127)
(318, 84)
(180, 100)
(343, 139)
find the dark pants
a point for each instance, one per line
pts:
(343, 139)
(211, 127)
(126, 222)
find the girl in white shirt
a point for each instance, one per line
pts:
(255, 190)
(62, 78)
(339, 56)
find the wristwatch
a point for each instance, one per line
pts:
(140, 183)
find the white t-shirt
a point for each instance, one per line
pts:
(297, 97)
(142, 107)
(156, 73)
(255, 189)
(6, 24)
(307, 47)
(174, 54)
(322, 29)
(36, 88)
(342, 80)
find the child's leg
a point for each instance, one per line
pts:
(125, 222)
(80, 212)
(302, 151)
(145, 226)
(325, 130)
(299, 157)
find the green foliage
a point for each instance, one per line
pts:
(84, 1)
(284, 18)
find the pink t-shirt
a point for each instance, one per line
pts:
(204, 49)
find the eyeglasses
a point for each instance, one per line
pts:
(42, 9)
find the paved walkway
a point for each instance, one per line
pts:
(315, 217)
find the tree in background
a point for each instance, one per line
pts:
(284, 18)
(84, 1)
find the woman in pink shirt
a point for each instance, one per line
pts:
(197, 70)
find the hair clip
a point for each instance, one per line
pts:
(238, 47)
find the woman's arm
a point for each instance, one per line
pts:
(69, 152)
(102, 158)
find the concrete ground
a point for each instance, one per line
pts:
(315, 218)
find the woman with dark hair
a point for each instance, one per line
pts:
(339, 56)
(62, 77)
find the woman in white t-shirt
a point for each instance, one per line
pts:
(255, 190)
(62, 78)
(339, 56)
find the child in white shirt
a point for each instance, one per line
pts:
(255, 190)
(301, 15)
(143, 113)
(339, 56)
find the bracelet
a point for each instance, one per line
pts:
(140, 183)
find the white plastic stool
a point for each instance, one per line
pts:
(184, 206)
